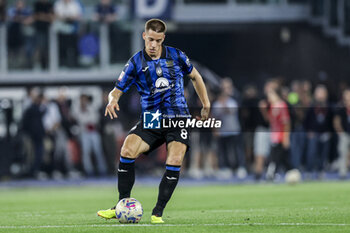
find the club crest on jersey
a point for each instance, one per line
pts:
(159, 71)
(162, 84)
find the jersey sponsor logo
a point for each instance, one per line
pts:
(162, 84)
(121, 76)
(151, 120)
(155, 90)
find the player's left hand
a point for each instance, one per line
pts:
(205, 113)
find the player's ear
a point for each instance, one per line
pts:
(144, 35)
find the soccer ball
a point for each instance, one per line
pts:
(129, 210)
(293, 176)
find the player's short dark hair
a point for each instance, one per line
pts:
(156, 25)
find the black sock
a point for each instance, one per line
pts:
(126, 177)
(166, 188)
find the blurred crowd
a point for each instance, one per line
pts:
(29, 32)
(265, 132)
(283, 127)
(60, 139)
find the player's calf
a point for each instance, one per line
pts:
(126, 176)
(166, 188)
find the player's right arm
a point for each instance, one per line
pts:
(113, 99)
(201, 91)
(125, 81)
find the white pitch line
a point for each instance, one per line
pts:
(237, 210)
(176, 225)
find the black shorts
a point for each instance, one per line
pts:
(156, 137)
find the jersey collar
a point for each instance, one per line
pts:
(162, 56)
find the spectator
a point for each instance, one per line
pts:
(230, 141)
(279, 119)
(318, 125)
(298, 136)
(305, 95)
(62, 159)
(64, 106)
(261, 140)
(109, 137)
(32, 93)
(106, 15)
(33, 125)
(342, 127)
(68, 13)
(2, 11)
(68, 123)
(203, 149)
(105, 12)
(43, 15)
(88, 118)
(21, 35)
(249, 112)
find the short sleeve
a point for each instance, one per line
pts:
(186, 65)
(126, 78)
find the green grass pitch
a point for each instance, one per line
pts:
(307, 207)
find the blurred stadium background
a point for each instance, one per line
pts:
(58, 64)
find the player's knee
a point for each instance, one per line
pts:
(128, 152)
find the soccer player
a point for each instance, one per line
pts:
(157, 72)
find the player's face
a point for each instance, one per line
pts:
(153, 42)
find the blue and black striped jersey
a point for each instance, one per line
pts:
(159, 82)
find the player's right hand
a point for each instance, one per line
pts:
(110, 109)
(205, 113)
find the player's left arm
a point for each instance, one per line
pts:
(201, 91)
